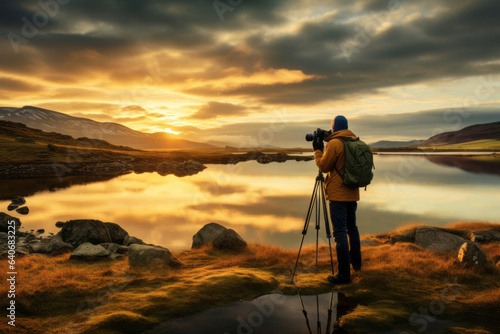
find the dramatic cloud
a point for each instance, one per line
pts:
(217, 109)
(127, 60)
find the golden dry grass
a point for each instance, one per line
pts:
(57, 295)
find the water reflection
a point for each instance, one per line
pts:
(263, 203)
(273, 313)
(484, 165)
(28, 187)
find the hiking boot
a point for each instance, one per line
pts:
(338, 280)
(356, 267)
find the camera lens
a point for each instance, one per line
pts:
(309, 137)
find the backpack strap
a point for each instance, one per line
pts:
(343, 140)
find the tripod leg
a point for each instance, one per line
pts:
(327, 226)
(306, 225)
(318, 209)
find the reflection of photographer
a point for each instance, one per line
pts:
(343, 199)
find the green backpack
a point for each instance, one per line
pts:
(358, 163)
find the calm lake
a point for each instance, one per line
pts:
(264, 203)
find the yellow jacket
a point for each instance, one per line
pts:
(335, 156)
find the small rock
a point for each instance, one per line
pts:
(207, 234)
(24, 210)
(18, 200)
(89, 252)
(472, 255)
(133, 241)
(437, 240)
(12, 206)
(53, 246)
(60, 224)
(486, 236)
(41, 230)
(229, 240)
(110, 247)
(155, 257)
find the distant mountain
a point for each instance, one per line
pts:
(53, 121)
(487, 131)
(19, 132)
(391, 144)
(217, 143)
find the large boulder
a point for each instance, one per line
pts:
(80, 231)
(486, 236)
(4, 222)
(437, 240)
(116, 233)
(207, 234)
(89, 252)
(153, 257)
(52, 246)
(229, 240)
(472, 255)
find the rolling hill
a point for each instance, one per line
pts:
(390, 143)
(483, 134)
(114, 133)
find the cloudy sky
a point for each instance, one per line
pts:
(259, 72)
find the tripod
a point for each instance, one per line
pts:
(318, 202)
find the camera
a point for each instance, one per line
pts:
(321, 134)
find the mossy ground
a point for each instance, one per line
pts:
(397, 283)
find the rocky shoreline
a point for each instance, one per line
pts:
(93, 240)
(144, 284)
(177, 166)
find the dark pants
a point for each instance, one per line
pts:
(343, 216)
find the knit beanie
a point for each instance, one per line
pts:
(339, 123)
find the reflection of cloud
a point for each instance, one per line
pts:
(277, 206)
(216, 189)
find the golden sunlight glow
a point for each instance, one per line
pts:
(235, 77)
(168, 130)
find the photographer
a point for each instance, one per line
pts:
(343, 199)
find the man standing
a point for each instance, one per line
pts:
(343, 200)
